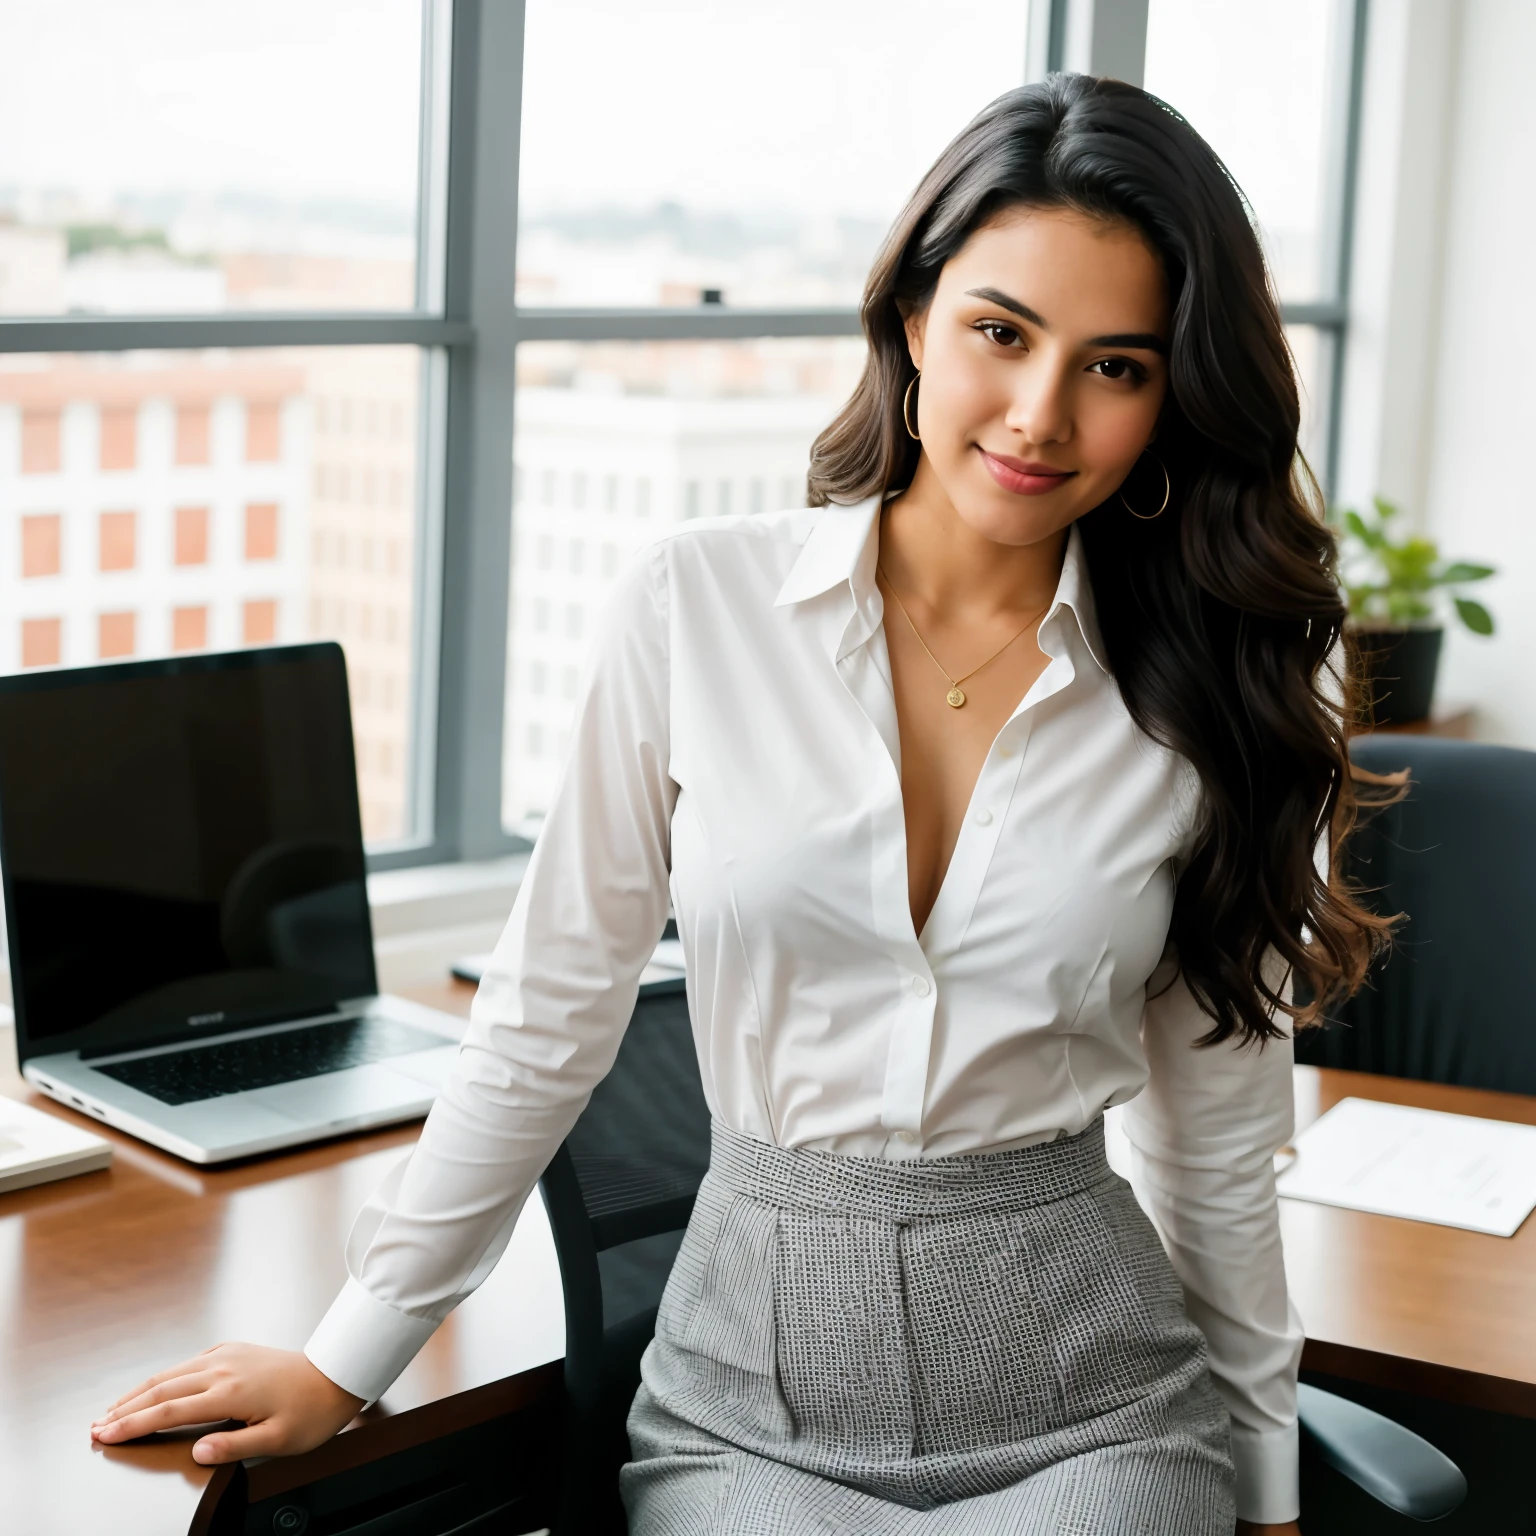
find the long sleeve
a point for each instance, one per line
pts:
(1203, 1135)
(548, 1018)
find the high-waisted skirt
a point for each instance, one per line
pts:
(994, 1343)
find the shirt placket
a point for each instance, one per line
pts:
(919, 966)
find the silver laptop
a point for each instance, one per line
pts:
(186, 906)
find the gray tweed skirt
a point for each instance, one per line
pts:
(994, 1343)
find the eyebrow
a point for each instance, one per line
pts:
(1143, 339)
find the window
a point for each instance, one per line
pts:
(119, 436)
(42, 545)
(258, 622)
(263, 432)
(41, 442)
(261, 531)
(225, 419)
(42, 643)
(116, 635)
(802, 91)
(667, 414)
(182, 187)
(220, 551)
(1281, 123)
(118, 540)
(191, 537)
(189, 629)
(192, 441)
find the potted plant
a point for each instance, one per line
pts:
(1395, 589)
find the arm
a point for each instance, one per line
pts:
(544, 1030)
(1204, 1133)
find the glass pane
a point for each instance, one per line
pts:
(617, 441)
(1261, 81)
(194, 155)
(186, 501)
(1312, 349)
(761, 150)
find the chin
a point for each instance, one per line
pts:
(1007, 522)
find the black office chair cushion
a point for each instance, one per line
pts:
(1456, 1000)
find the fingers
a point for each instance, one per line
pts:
(264, 1439)
(186, 1367)
(200, 1408)
(176, 1386)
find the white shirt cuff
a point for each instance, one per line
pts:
(1268, 1474)
(363, 1344)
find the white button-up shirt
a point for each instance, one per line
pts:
(736, 750)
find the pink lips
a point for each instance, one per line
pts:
(1024, 477)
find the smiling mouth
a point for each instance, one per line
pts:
(1024, 477)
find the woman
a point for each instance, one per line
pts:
(987, 792)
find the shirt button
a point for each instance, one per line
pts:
(984, 817)
(1005, 751)
(907, 1136)
(921, 985)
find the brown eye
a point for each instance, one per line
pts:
(1119, 368)
(1003, 335)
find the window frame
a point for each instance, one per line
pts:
(468, 326)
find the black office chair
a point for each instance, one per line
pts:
(1453, 1002)
(619, 1193)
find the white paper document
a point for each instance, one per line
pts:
(1454, 1170)
(35, 1147)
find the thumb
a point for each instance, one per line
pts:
(261, 1439)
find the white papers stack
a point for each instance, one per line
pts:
(35, 1147)
(1454, 1170)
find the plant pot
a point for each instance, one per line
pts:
(1398, 667)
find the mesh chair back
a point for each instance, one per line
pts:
(619, 1193)
(1456, 1000)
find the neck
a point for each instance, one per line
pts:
(930, 552)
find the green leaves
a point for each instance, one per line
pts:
(1398, 581)
(1474, 616)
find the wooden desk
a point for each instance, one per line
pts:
(110, 1276)
(1425, 1309)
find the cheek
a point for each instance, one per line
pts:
(1112, 434)
(963, 394)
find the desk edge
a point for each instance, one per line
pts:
(1423, 1378)
(371, 1441)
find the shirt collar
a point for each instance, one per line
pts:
(844, 541)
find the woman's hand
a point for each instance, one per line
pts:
(1248, 1528)
(287, 1404)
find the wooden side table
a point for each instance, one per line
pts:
(1454, 721)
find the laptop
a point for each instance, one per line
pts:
(186, 905)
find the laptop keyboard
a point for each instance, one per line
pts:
(264, 1061)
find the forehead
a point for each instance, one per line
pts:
(1072, 268)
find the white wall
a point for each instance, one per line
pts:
(1439, 404)
(1481, 428)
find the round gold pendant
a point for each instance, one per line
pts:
(954, 698)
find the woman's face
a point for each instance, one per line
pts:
(1044, 364)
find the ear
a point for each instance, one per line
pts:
(915, 324)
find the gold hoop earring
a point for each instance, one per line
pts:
(1147, 517)
(905, 419)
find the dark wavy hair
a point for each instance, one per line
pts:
(1219, 617)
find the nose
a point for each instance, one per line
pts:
(1040, 409)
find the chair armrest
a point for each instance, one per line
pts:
(1395, 1466)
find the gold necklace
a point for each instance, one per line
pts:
(955, 697)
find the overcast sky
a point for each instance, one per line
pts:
(816, 105)
(295, 98)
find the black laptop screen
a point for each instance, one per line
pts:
(181, 845)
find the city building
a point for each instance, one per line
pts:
(150, 505)
(601, 471)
